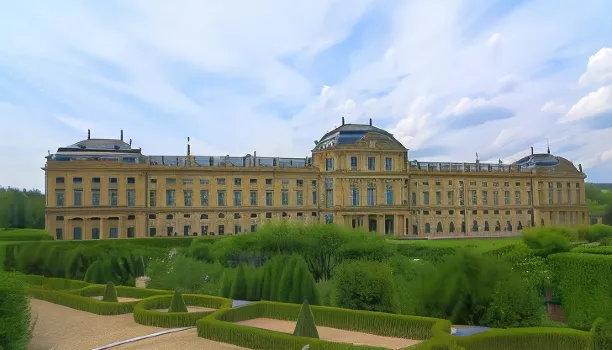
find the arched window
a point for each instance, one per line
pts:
(221, 216)
(486, 227)
(519, 226)
(475, 226)
(284, 214)
(152, 216)
(497, 226)
(451, 227)
(439, 228)
(204, 217)
(268, 215)
(463, 226)
(169, 217)
(427, 228)
(254, 215)
(542, 222)
(508, 226)
(237, 216)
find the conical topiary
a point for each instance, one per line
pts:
(284, 285)
(305, 326)
(110, 293)
(178, 303)
(239, 290)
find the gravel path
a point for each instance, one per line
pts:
(62, 328)
(334, 334)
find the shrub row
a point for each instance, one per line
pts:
(585, 286)
(527, 339)
(220, 326)
(53, 282)
(602, 250)
(145, 311)
(20, 235)
(425, 252)
(78, 302)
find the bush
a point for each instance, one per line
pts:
(527, 339)
(545, 241)
(603, 250)
(226, 281)
(110, 293)
(462, 288)
(364, 285)
(602, 334)
(239, 290)
(145, 311)
(425, 252)
(177, 304)
(585, 286)
(200, 250)
(305, 325)
(286, 281)
(598, 232)
(187, 275)
(14, 312)
(277, 265)
(97, 273)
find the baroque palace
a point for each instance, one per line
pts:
(358, 176)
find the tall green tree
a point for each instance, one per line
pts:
(21, 208)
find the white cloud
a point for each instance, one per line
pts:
(552, 107)
(250, 70)
(592, 105)
(599, 68)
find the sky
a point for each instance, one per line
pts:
(449, 78)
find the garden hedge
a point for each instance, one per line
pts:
(219, 326)
(425, 252)
(585, 284)
(145, 311)
(527, 339)
(602, 250)
(21, 235)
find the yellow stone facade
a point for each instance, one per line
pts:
(358, 176)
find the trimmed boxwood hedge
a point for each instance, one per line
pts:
(602, 250)
(145, 311)
(219, 326)
(527, 339)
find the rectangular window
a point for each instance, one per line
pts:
(473, 198)
(131, 197)
(221, 181)
(285, 197)
(426, 197)
(237, 228)
(354, 196)
(95, 180)
(529, 201)
(131, 180)
(269, 198)
(170, 181)
(438, 198)
(237, 198)
(329, 164)
(130, 232)
(299, 183)
(114, 232)
(371, 163)
(170, 198)
(78, 198)
(388, 163)
(221, 229)
(253, 227)
(569, 194)
(204, 230)
(253, 181)
(495, 198)
(449, 197)
(152, 198)
(389, 194)
(507, 197)
(413, 198)
(204, 198)
(268, 181)
(253, 198)
(95, 198)
(186, 230)
(485, 197)
(237, 181)
(113, 198)
(353, 163)
(77, 233)
(59, 180)
(314, 197)
(461, 196)
(578, 201)
(221, 198)
(188, 198)
(204, 181)
(187, 181)
(517, 197)
(59, 234)
(77, 180)
(299, 197)
(371, 196)
(550, 193)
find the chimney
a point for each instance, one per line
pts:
(130, 142)
(342, 120)
(121, 134)
(531, 150)
(188, 147)
(89, 134)
(370, 121)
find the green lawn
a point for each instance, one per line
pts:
(480, 244)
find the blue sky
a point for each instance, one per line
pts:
(448, 78)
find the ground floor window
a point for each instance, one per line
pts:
(59, 234)
(114, 232)
(131, 232)
(152, 231)
(77, 233)
(95, 233)
(221, 229)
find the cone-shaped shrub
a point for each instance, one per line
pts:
(225, 283)
(178, 303)
(308, 288)
(239, 290)
(110, 293)
(265, 281)
(285, 284)
(277, 263)
(305, 326)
